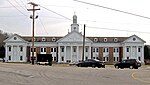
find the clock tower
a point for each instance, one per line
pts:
(75, 26)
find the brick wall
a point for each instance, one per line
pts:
(120, 53)
(28, 54)
(101, 53)
(48, 50)
(111, 58)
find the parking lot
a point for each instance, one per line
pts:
(27, 74)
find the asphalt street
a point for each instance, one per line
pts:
(27, 74)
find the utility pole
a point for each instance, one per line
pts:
(83, 44)
(33, 17)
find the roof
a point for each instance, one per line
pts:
(42, 38)
(94, 39)
(107, 39)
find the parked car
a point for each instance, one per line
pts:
(91, 63)
(128, 63)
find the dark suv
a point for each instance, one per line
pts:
(128, 63)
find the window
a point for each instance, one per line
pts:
(139, 58)
(53, 39)
(51, 49)
(116, 50)
(9, 48)
(115, 39)
(86, 49)
(107, 58)
(104, 58)
(74, 49)
(62, 49)
(103, 49)
(134, 39)
(86, 57)
(62, 58)
(43, 49)
(127, 49)
(93, 49)
(9, 57)
(54, 49)
(107, 49)
(127, 57)
(97, 58)
(21, 58)
(34, 49)
(97, 49)
(21, 48)
(74, 28)
(54, 58)
(43, 39)
(95, 39)
(117, 58)
(105, 39)
(139, 49)
(15, 38)
(68, 61)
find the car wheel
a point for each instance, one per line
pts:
(93, 65)
(117, 67)
(131, 67)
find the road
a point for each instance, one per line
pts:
(26, 74)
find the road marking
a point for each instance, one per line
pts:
(136, 78)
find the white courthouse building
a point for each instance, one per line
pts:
(68, 48)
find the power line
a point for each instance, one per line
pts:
(23, 4)
(19, 4)
(16, 8)
(56, 13)
(10, 6)
(113, 9)
(117, 30)
(42, 25)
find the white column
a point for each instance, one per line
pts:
(6, 53)
(130, 57)
(24, 53)
(65, 56)
(77, 53)
(137, 53)
(59, 56)
(90, 52)
(71, 53)
(12, 53)
(142, 57)
(18, 54)
(124, 52)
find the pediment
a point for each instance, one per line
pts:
(135, 39)
(15, 38)
(73, 37)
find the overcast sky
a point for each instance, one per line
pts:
(14, 17)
